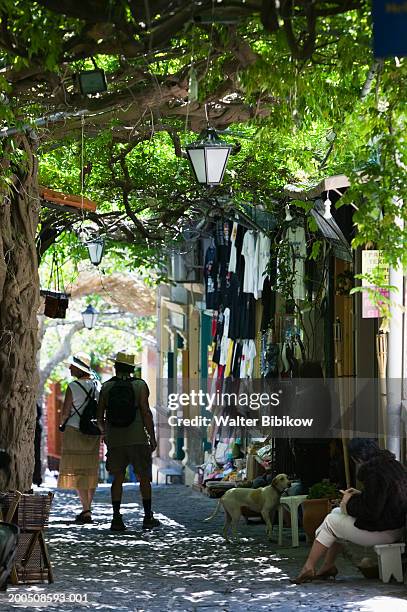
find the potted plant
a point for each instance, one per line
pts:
(318, 504)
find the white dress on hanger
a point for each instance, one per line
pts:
(250, 268)
(233, 250)
(263, 246)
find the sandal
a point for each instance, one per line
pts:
(307, 576)
(84, 517)
(329, 573)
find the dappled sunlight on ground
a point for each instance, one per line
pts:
(186, 564)
(380, 604)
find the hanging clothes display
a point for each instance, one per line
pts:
(222, 242)
(210, 275)
(237, 358)
(233, 248)
(247, 323)
(262, 260)
(235, 304)
(229, 358)
(250, 278)
(236, 269)
(217, 340)
(247, 360)
(225, 341)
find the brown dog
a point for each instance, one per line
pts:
(264, 500)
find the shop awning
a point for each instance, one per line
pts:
(337, 183)
(329, 228)
(331, 232)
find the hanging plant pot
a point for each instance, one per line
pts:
(55, 303)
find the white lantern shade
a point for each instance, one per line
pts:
(197, 161)
(95, 249)
(216, 160)
(208, 158)
(89, 317)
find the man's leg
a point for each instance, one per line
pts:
(145, 490)
(116, 492)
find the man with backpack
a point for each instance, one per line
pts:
(125, 417)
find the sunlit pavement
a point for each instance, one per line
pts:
(185, 564)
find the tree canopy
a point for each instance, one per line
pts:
(295, 83)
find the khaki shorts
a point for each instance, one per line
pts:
(137, 455)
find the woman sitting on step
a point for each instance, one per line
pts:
(377, 515)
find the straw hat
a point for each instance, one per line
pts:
(80, 361)
(125, 358)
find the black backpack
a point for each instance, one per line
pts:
(88, 417)
(121, 403)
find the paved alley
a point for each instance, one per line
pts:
(184, 565)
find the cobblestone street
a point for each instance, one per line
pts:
(185, 564)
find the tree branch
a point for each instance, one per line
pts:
(367, 86)
(62, 353)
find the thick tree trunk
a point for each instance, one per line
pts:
(19, 297)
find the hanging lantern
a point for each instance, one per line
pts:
(89, 317)
(96, 249)
(208, 157)
(91, 81)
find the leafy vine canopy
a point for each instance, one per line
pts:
(294, 81)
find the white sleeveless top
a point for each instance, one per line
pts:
(79, 396)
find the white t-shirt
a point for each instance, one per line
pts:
(263, 246)
(233, 250)
(250, 267)
(247, 362)
(79, 396)
(224, 343)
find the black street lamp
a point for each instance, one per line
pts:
(208, 157)
(96, 249)
(89, 317)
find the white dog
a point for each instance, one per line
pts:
(264, 500)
